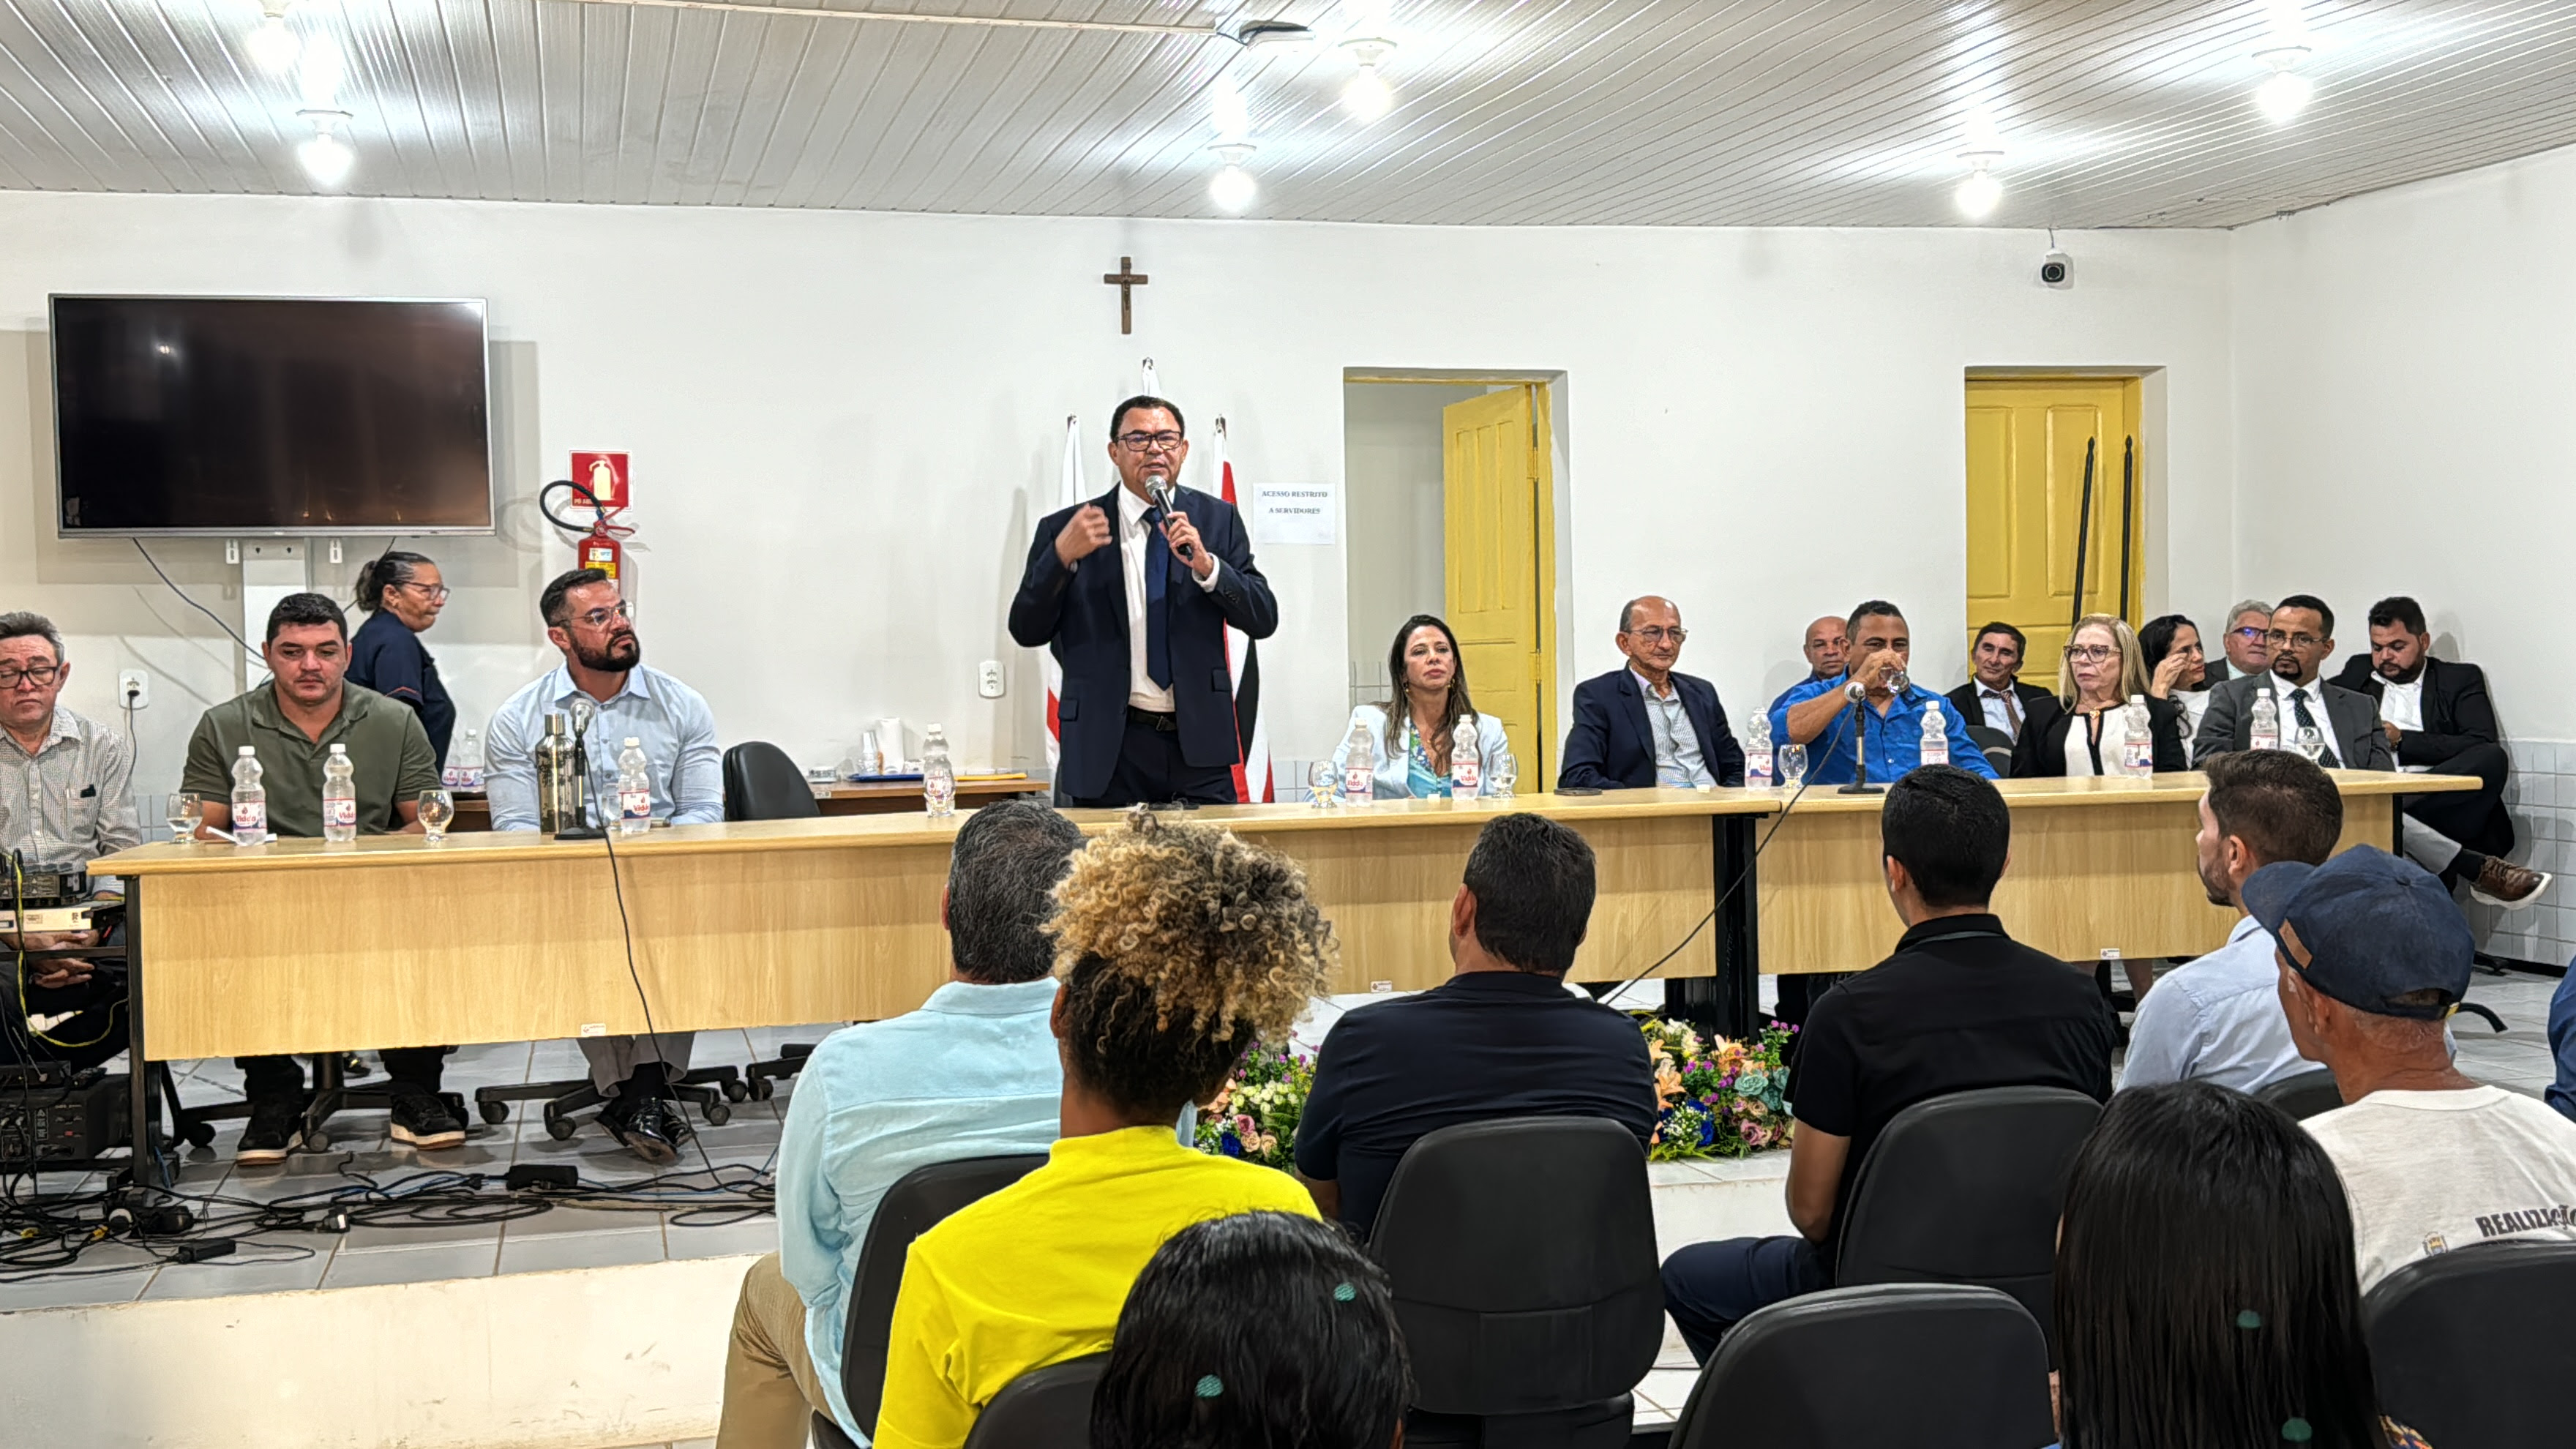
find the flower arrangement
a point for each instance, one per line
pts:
(1255, 1113)
(1718, 1098)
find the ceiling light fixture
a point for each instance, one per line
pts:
(1232, 188)
(327, 158)
(272, 46)
(1368, 97)
(1979, 193)
(2286, 93)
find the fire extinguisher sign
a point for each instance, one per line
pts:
(604, 474)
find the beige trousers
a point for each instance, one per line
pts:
(770, 1392)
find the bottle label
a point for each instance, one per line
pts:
(1465, 780)
(342, 811)
(250, 820)
(462, 777)
(1757, 769)
(635, 804)
(1358, 782)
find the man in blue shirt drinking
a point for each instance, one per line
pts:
(973, 1073)
(1865, 710)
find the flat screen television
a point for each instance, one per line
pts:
(270, 415)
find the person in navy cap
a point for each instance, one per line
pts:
(2374, 957)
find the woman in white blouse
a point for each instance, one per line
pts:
(2103, 671)
(1409, 735)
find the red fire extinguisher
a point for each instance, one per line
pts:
(599, 550)
(600, 485)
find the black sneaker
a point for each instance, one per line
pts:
(648, 1127)
(276, 1129)
(421, 1118)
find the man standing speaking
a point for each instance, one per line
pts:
(1133, 591)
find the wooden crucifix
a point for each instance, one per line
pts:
(1126, 279)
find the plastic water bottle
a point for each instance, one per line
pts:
(2138, 749)
(464, 770)
(1936, 736)
(339, 797)
(938, 780)
(1466, 766)
(2265, 732)
(1757, 753)
(1359, 781)
(250, 800)
(634, 789)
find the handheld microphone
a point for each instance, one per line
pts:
(1160, 489)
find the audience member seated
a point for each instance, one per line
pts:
(401, 594)
(2243, 650)
(2219, 1019)
(2176, 668)
(2437, 719)
(1959, 1005)
(586, 620)
(1648, 725)
(2204, 1287)
(1257, 1331)
(1826, 644)
(2345, 724)
(1501, 1038)
(292, 721)
(1871, 707)
(74, 777)
(1410, 736)
(2103, 670)
(973, 1073)
(2561, 1092)
(1177, 948)
(2374, 955)
(1994, 695)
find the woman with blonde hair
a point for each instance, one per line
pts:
(2102, 671)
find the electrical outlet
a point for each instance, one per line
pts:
(988, 679)
(335, 550)
(133, 689)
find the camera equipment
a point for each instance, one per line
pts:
(2057, 269)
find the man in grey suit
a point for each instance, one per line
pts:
(2299, 640)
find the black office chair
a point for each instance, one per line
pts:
(1928, 1366)
(2303, 1094)
(1967, 1189)
(762, 783)
(1048, 1408)
(916, 1202)
(1521, 1255)
(1996, 745)
(2470, 1348)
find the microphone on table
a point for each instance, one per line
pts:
(1159, 488)
(581, 713)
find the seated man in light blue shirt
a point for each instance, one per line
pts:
(1871, 709)
(2219, 1019)
(586, 619)
(973, 1073)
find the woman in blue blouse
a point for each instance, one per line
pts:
(1409, 735)
(402, 594)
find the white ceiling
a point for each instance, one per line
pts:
(1550, 112)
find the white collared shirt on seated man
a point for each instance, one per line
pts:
(671, 721)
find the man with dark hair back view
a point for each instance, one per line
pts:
(1959, 1006)
(1503, 1037)
(2219, 1018)
(973, 1073)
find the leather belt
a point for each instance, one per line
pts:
(1160, 723)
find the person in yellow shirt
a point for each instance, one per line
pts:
(1177, 948)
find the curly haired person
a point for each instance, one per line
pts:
(1177, 948)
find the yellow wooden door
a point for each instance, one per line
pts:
(1498, 564)
(2026, 441)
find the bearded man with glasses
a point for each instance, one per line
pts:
(2298, 641)
(1132, 592)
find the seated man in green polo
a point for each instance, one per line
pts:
(291, 723)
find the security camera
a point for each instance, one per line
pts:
(2057, 269)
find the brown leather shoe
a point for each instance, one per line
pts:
(2500, 882)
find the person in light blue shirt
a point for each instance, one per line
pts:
(2219, 1019)
(2561, 1092)
(586, 619)
(1409, 736)
(1886, 724)
(973, 1073)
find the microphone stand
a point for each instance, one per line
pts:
(581, 827)
(1860, 784)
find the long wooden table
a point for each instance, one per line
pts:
(302, 946)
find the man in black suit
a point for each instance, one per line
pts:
(2298, 640)
(1645, 725)
(2244, 654)
(1994, 695)
(2437, 718)
(1147, 708)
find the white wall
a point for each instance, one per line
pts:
(844, 424)
(1394, 503)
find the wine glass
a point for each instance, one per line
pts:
(1321, 780)
(2312, 744)
(437, 807)
(1793, 766)
(1501, 773)
(185, 810)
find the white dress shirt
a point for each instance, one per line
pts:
(2315, 690)
(1137, 542)
(2001, 707)
(2403, 706)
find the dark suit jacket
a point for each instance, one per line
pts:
(2229, 723)
(2037, 704)
(2457, 713)
(1612, 747)
(2041, 749)
(1080, 614)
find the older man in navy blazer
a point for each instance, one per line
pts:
(1133, 598)
(1646, 725)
